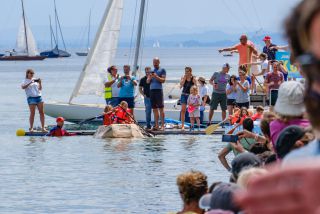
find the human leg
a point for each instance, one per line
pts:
(156, 118)
(183, 114)
(41, 113)
(147, 105)
(32, 108)
(162, 118)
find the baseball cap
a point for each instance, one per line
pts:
(60, 119)
(226, 65)
(266, 38)
(243, 161)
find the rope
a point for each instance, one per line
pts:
(132, 32)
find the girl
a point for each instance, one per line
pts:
(204, 95)
(194, 102)
(123, 114)
(231, 94)
(108, 115)
(243, 89)
(244, 113)
(33, 87)
(187, 81)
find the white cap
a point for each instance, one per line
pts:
(290, 100)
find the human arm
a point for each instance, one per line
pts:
(228, 49)
(244, 87)
(134, 81)
(24, 86)
(284, 47)
(110, 83)
(222, 157)
(120, 82)
(238, 147)
(248, 134)
(182, 81)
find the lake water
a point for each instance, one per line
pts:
(86, 175)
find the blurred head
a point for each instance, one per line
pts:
(124, 105)
(243, 69)
(113, 70)
(243, 39)
(260, 109)
(267, 118)
(258, 148)
(192, 186)
(29, 74)
(244, 111)
(226, 67)
(194, 90)
(60, 121)
(275, 67)
(147, 70)
(267, 40)
(263, 56)
(243, 161)
(156, 62)
(108, 108)
(246, 175)
(248, 124)
(188, 71)
(232, 79)
(126, 69)
(202, 80)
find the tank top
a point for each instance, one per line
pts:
(187, 85)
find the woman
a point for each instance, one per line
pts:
(33, 89)
(204, 95)
(243, 87)
(187, 81)
(231, 94)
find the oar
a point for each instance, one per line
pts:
(210, 129)
(145, 131)
(259, 83)
(234, 128)
(89, 119)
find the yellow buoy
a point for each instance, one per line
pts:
(20, 132)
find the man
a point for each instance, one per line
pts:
(144, 89)
(219, 82)
(245, 49)
(126, 85)
(270, 48)
(156, 79)
(273, 81)
(111, 90)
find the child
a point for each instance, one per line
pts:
(258, 115)
(58, 131)
(194, 102)
(123, 114)
(235, 116)
(108, 115)
(243, 115)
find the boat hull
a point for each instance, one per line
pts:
(119, 131)
(82, 53)
(21, 58)
(55, 53)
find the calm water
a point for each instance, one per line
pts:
(87, 175)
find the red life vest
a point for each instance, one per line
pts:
(57, 131)
(122, 115)
(108, 118)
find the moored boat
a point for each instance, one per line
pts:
(21, 58)
(119, 131)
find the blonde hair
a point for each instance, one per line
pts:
(108, 108)
(246, 175)
(123, 103)
(195, 88)
(192, 186)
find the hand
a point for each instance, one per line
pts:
(220, 50)
(245, 134)
(128, 77)
(271, 83)
(279, 83)
(117, 76)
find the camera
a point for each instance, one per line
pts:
(230, 138)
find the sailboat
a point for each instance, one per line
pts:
(88, 40)
(156, 44)
(91, 79)
(56, 52)
(26, 48)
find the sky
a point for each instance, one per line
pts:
(180, 14)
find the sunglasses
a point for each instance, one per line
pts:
(30, 73)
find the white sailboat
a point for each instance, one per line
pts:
(91, 80)
(85, 53)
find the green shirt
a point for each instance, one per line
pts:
(245, 142)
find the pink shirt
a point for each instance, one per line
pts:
(245, 53)
(277, 126)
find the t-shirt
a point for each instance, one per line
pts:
(203, 91)
(245, 142)
(194, 100)
(146, 86)
(245, 53)
(275, 78)
(114, 86)
(233, 94)
(243, 97)
(265, 65)
(277, 126)
(247, 78)
(127, 88)
(221, 79)
(271, 53)
(155, 84)
(33, 88)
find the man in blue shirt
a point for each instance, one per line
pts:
(156, 79)
(126, 85)
(269, 48)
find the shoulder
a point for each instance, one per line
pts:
(307, 151)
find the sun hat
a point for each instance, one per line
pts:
(287, 138)
(60, 119)
(244, 161)
(266, 38)
(202, 79)
(220, 198)
(290, 100)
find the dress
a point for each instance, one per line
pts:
(194, 100)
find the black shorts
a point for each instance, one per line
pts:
(231, 102)
(156, 98)
(240, 105)
(129, 100)
(273, 96)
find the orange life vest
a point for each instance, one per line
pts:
(108, 118)
(122, 116)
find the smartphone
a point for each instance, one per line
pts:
(230, 138)
(36, 80)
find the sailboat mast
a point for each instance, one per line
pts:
(56, 17)
(25, 27)
(88, 42)
(138, 42)
(50, 31)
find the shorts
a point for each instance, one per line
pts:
(217, 99)
(240, 105)
(184, 98)
(114, 101)
(231, 102)
(129, 100)
(195, 113)
(273, 96)
(156, 98)
(34, 100)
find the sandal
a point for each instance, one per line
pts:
(31, 130)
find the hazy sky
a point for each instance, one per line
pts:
(216, 14)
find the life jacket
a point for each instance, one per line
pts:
(122, 115)
(57, 131)
(234, 118)
(108, 90)
(241, 119)
(256, 116)
(108, 118)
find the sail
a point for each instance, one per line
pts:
(91, 80)
(21, 46)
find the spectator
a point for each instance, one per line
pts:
(242, 145)
(144, 89)
(248, 174)
(231, 94)
(283, 70)
(243, 89)
(264, 63)
(192, 186)
(111, 90)
(157, 78)
(194, 102)
(268, 48)
(290, 108)
(186, 82)
(258, 115)
(219, 82)
(126, 85)
(204, 95)
(273, 81)
(245, 49)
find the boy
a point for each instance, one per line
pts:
(258, 114)
(58, 131)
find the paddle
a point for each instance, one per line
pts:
(259, 83)
(148, 134)
(234, 128)
(210, 129)
(89, 119)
